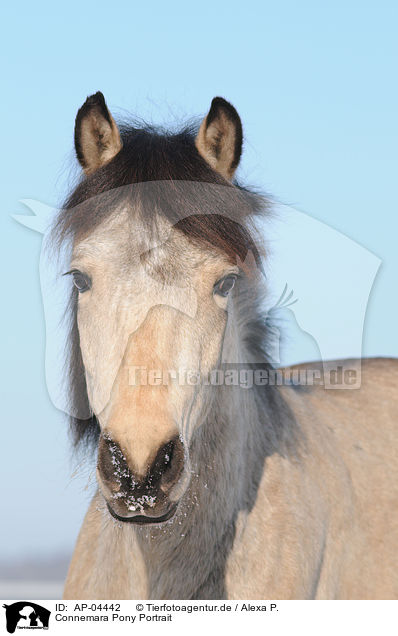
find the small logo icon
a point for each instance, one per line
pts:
(26, 615)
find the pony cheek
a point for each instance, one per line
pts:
(212, 352)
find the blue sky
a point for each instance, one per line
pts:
(315, 85)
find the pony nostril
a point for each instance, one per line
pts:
(163, 462)
(168, 464)
(168, 456)
(113, 464)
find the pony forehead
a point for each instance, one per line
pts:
(142, 216)
(122, 231)
(127, 237)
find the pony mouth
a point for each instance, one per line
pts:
(143, 519)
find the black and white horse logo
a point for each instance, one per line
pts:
(27, 615)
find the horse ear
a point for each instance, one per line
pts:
(219, 139)
(97, 138)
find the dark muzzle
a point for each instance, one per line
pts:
(135, 498)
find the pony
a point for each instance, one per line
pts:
(208, 488)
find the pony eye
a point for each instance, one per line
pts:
(225, 285)
(81, 281)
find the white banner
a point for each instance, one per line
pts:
(175, 617)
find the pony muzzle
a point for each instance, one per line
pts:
(141, 498)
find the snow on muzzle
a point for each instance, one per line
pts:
(139, 498)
